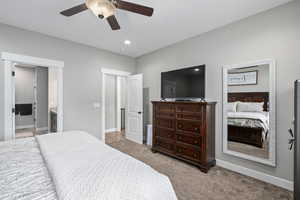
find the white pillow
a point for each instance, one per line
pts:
(231, 107)
(250, 107)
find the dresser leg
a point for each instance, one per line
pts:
(203, 170)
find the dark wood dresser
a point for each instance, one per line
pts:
(185, 130)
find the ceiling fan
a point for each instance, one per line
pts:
(106, 9)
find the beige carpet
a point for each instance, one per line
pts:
(112, 137)
(191, 184)
(24, 133)
(28, 132)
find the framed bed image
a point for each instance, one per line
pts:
(240, 128)
(249, 111)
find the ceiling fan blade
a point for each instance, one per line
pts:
(132, 7)
(75, 10)
(112, 20)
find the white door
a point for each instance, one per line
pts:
(134, 127)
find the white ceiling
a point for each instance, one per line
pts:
(173, 21)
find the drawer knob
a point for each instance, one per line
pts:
(195, 155)
(196, 142)
(179, 125)
(196, 129)
(179, 150)
(179, 137)
(169, 135)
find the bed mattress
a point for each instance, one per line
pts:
(75, 166)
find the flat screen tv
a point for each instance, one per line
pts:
(183, 84)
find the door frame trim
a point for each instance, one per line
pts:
(9, 59)
(104, 73)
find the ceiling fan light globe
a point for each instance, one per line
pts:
(101, 7)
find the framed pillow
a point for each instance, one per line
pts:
(250, 107)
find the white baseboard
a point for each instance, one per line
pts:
(42, 129)
(111, 130)
(280, 182)
(23, 127)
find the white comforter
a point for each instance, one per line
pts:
(23, 173)
(84, 168)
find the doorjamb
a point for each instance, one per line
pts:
(104, 73)
(9, 59)
(119, 94)
(35, 98)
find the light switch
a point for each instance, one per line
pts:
(96, 105)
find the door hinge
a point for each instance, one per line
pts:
(292, 140)
(13, 73)
(13, 110)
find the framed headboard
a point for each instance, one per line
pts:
(250, 97)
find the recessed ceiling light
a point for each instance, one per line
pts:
(197, 70)
(127, 42)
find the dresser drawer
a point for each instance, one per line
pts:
(188, 139)
(189, 108)
(165, 123)
(165, 108)
(164, 145)
(189, 116)
(165, 133)
(189, 126)
(165, 115)
(188, 152)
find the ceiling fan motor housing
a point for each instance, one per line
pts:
(107, 9)
(101, 8)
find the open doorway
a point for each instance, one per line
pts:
(115, 104)
(122, 106)
(33, 96)
(31, 100)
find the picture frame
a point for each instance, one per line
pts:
(242, 78)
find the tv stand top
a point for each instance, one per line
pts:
(185, 101)
(180, 100)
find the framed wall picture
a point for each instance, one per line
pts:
(242, 78)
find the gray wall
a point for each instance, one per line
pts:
(42, 97)
(110, 102)
(24, 93)
(263, 77)
(82, 75)
(272, 34)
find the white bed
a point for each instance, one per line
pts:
(76, 166)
